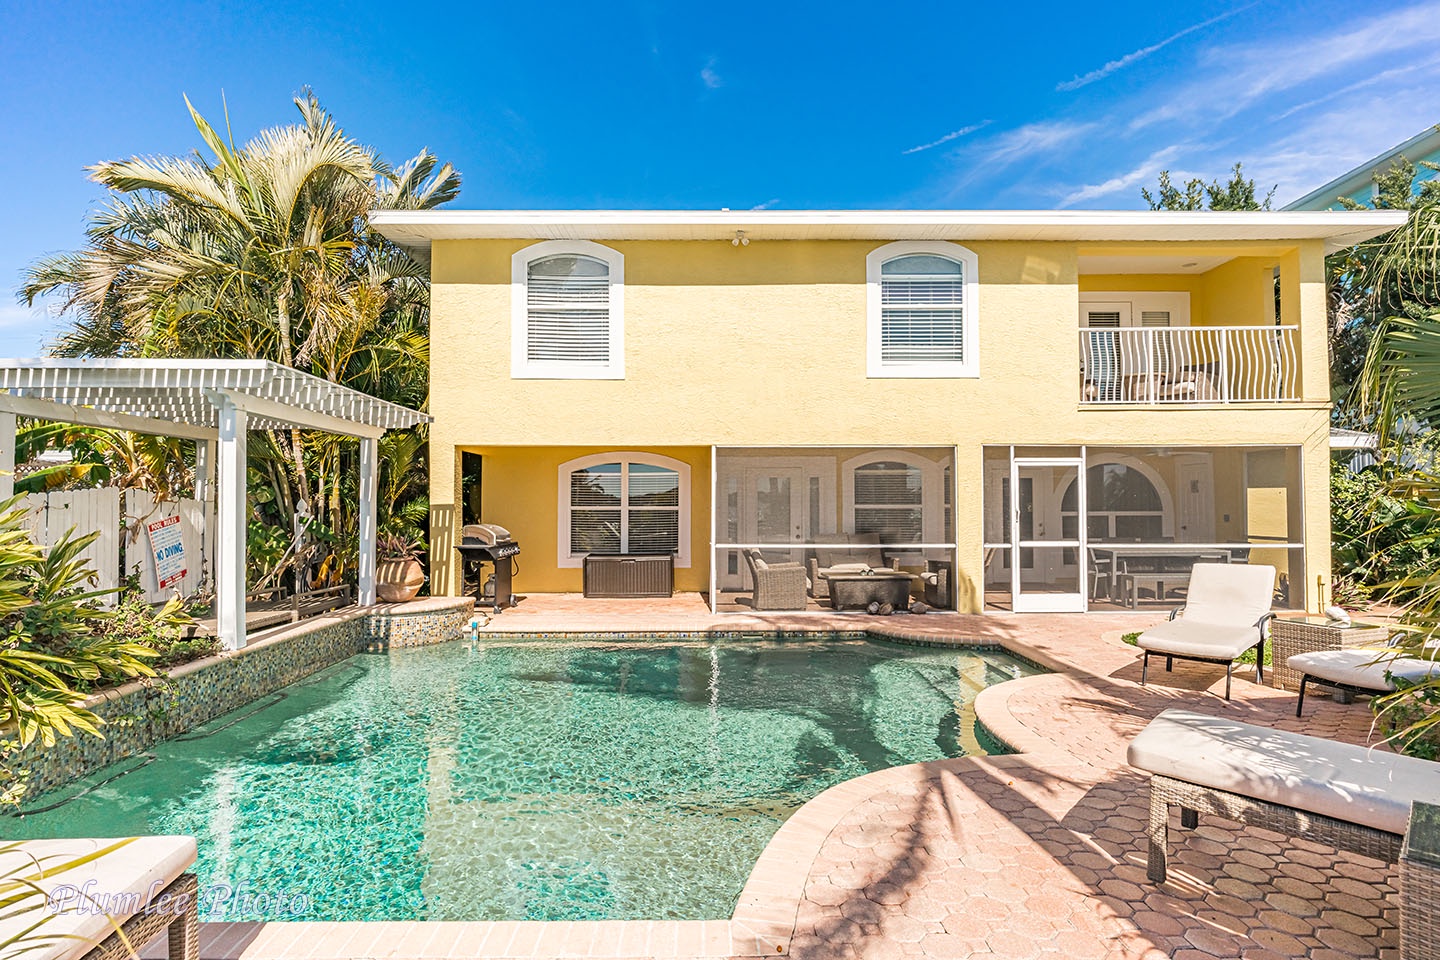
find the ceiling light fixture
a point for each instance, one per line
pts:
(740, 239)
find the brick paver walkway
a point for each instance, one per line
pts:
(1039, 853)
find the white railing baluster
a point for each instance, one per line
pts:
(1154, 365)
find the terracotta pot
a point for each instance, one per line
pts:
(398, 580)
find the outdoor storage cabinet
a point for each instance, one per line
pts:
(629, 575)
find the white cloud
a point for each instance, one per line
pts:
(767, 204)
(952, 135)
(709, 77)
(1147, 170)
(1236, 77)
(1032, 139)
(1143, 52)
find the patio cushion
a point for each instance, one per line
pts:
(1358, 667)
(1187, 638)
(1339, 780)
(123, 882)
(1229, 593)
(828, 557)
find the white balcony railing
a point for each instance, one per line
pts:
(1189, 364)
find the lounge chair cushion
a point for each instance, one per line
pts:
(1186, 638)
(1358, 667)
(1229, 593)
(1340, 780)
(128, 876)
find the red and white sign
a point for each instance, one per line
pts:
(167, 550)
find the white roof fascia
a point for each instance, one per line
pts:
(415, 230)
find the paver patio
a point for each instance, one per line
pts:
(1039, 853)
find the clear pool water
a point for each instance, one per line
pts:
(529, 779)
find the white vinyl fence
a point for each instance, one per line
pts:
(84, 511)
(195, 518)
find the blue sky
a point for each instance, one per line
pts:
(773, 105)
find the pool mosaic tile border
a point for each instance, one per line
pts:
(139, 715)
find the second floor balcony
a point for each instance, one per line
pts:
(1187, 365)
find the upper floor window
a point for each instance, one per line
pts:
(922, 309)
(567, 312)
(635, 503)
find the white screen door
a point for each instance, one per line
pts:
(1056, 580)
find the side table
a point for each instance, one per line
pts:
(1306, 633)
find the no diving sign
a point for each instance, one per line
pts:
(168, 551)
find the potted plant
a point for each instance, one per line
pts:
(398, 575)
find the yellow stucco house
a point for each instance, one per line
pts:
(1037, 411)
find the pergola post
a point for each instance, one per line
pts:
(230, 548)
(369, 464)
(204, 486)
(7, 455)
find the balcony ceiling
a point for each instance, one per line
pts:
(1161, 264)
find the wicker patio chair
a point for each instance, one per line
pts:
(778, 586)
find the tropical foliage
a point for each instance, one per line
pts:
(1237, 193)
(265, 251)
(1387, 296)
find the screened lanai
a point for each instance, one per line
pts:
(1121, 527)
(835, 513)
(215, 403)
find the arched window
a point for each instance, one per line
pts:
(567, 311)
(921, 304)
(1124, 504)
(635, 503)
(896, 495)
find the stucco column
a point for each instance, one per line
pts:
(1303, 302)
(1315, 475)
(969, 519)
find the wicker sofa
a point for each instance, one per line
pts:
(864, 551)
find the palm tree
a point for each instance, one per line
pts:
(261, 251)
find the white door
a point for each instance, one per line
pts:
(1196, 499)
(1048, 578)
(770, 510)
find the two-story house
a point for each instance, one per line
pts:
(1060, 410)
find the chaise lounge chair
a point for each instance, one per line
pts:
(1358, 670)
(1226, 612)
(1348, 796)
(88, 899)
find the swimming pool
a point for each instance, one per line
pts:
(509, 779)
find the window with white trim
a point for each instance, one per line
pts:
(889, 501)
(567, 303)
(633, 503)
(921, 305)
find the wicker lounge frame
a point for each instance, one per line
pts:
(1194, 800)
(179, 917)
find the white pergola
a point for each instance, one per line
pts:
(215, 403)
